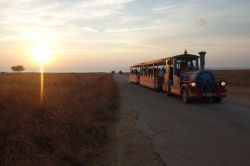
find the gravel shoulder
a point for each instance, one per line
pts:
(134, 148)
(128, 146)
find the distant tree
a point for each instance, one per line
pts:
(120, 72)
(113, 71)
(18, 68)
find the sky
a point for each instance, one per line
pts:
(102, 35)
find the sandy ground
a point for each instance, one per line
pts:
(203, 133)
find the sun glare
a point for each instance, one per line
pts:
(41, 54)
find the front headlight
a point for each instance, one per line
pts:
(193, 84)
(223, 83)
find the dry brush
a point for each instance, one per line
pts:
(68, 129)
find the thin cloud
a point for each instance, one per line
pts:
(142, 28)
(200, 23)
(171, 5)
(129, 20)
(46, 15)
(164, 7)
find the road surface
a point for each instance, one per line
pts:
(199, 134)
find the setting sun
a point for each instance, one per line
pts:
(41, 54)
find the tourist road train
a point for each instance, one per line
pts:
(183, 75)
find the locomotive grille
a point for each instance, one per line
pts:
(205, 81)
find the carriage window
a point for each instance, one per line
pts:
(134, 70)
(159, 70)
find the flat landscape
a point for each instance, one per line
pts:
(238, 81)
(234, 77)
(67, 129)
(102, 119)
(70, 76)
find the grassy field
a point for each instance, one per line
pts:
(238, 81)
(68, 129)
(234, 77)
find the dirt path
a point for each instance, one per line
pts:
(134, 148)
(128, 146)
(203, 133)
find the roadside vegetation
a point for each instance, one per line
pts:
(68, 129)
(238, 82)
(234, 77)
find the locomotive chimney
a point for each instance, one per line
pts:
(185, 52)
(202, 59)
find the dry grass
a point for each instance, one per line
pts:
(238, 81)
(234, 77)
(67, 130)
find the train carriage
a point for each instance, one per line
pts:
(183, 75)
(152, 74)
(134, 75)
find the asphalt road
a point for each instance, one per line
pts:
(199, 134)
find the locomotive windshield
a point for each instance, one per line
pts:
(192, 65)
(187, 63)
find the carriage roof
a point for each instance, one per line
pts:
(184, 56)
(163, 61)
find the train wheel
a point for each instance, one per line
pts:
(169, 91)
(184, 95)
(217, 99)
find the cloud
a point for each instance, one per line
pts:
(164, 7)
(61, 17)
(133, 29)
(174, 6)
(129, 20)
(200, 23)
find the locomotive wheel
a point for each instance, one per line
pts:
(184, 95)
(169, 91)
(217, 99)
